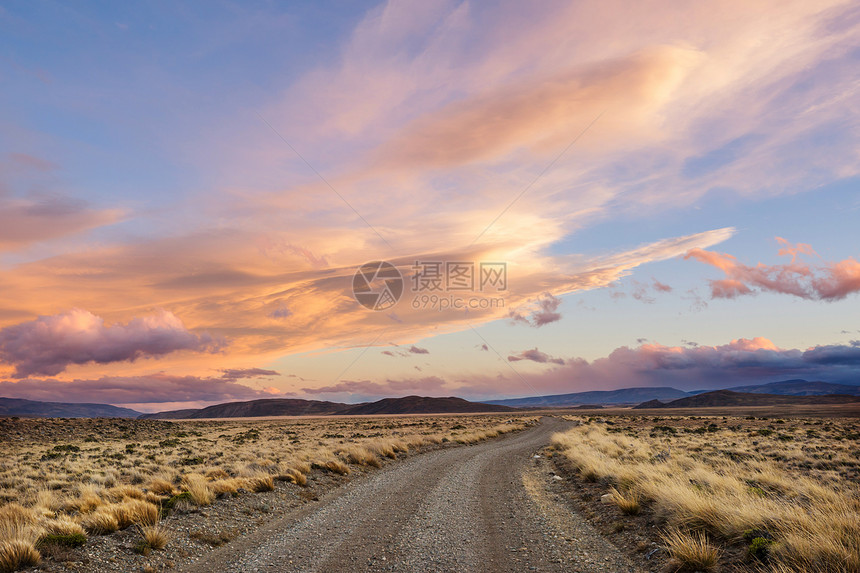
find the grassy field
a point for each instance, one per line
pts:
(62, 481)
(758, 493)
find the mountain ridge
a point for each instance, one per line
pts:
(38, 409)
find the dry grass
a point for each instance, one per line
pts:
(690, 552)
(63, 525)
(160, 486)
(720, 477)
(260, 483)
(229, 486)
(155, 536)
(134, 512)
(199, 489)
(293, 476)
(337, 467)
(100, 522)
(629, 502)
(16, 554)
(361, 456)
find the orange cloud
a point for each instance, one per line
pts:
(544, 111)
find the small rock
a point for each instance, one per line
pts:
(606, 498)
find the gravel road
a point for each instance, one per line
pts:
(474, 508)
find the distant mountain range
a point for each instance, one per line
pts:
(254, 408)
(422, 405)
(656, 397)
(34, 409)
(666, 394)
(730, 398)
(623, 396)
(296, 407)
(799, 387)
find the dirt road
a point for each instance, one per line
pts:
(475, 508)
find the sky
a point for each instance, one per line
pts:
(196, 198)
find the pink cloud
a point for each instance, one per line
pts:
(825, 281)
(49, 344)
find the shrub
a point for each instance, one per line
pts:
(66, 540)
(759, 549)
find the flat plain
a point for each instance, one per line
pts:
(89, 494)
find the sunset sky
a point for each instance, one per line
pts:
(187, 190)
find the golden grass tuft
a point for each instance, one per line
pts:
(160, 486)
(88, 500)
(361, 456)
(293, 476)
(100, 522)
(155, 536)
(199, 489)
(16, 554)
(690, 552)
(228, 486)
(629, 502)
(134, 511)
(63, 525)
(260, 483)
(217, 474)
(337, 467)
(122, 492)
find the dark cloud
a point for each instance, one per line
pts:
(538, 312)
(535, 355)
(742, 361)
(416, 350)
(282, 312)
(49, 344)
(244, 373)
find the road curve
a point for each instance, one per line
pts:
(467, 509)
